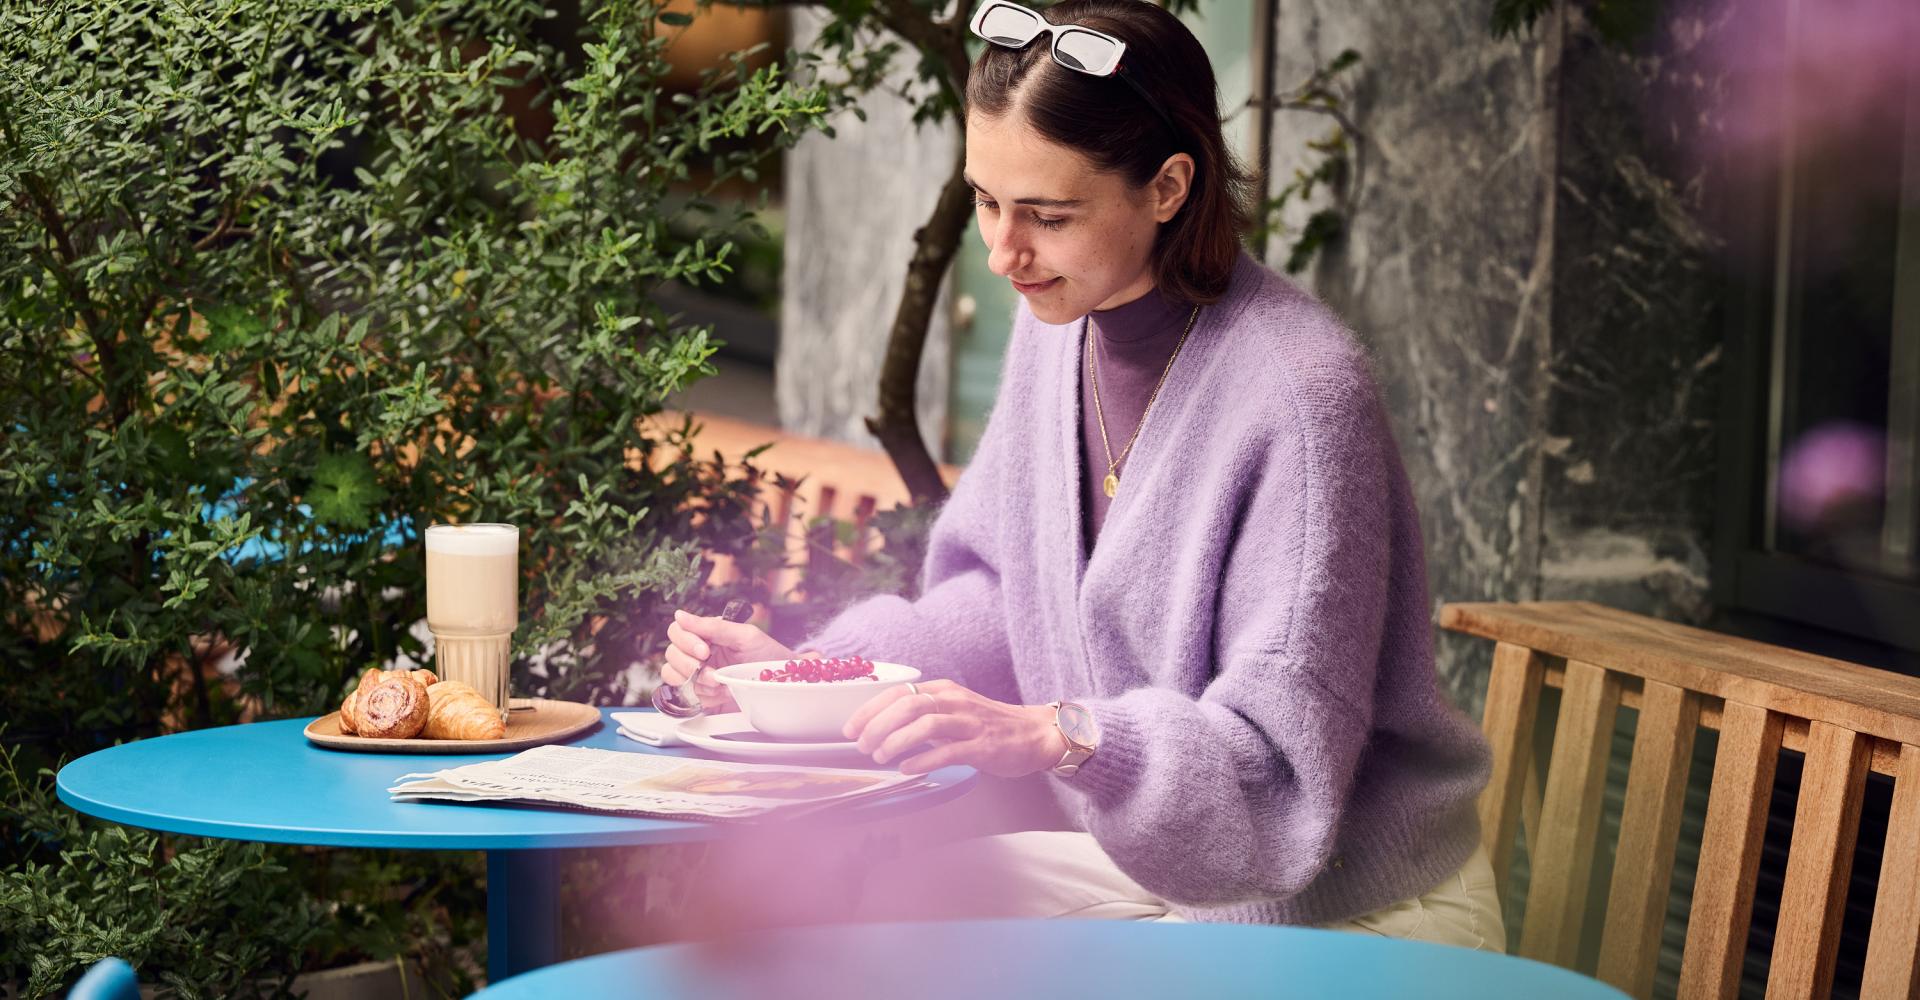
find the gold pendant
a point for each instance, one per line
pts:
(1111, 484)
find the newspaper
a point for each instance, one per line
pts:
(652, 784)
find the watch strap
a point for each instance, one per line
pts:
(1076, 753)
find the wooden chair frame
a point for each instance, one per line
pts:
(1847, 719)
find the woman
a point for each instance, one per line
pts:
(1182, 578)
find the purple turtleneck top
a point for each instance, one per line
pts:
(1131, 345)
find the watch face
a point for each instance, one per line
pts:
(1078, 725)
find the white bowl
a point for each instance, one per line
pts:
(802, 710)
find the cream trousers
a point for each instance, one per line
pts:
(1052, 873)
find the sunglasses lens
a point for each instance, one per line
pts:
(1086, 52)
(1004, 24)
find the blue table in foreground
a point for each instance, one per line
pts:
(263, 781)
(1050, 959)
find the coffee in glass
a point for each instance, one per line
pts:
(473, 604)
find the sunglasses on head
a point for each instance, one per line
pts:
(1082, 50)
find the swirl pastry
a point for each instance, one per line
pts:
(393, 709)
(350, 708)
(461, 713)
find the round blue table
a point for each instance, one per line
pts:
(968, 960)
(263, 781)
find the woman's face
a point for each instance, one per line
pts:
(1069, 237)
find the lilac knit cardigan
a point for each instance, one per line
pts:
(1251, 628)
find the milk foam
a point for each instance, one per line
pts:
(473, 539)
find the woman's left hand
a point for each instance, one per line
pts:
(965, 728)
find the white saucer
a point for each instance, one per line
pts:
(729, 735)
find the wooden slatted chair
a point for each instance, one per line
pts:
(1847, 719)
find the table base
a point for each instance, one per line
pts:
(523, 912)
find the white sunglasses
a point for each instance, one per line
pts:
(1082, 50)
(1015, 27)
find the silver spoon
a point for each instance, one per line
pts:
(681, 702)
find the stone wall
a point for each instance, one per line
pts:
(1446, 271)
(1630, 454)
(1532, 280)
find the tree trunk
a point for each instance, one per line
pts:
(896, 425)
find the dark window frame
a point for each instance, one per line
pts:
(1791, 599)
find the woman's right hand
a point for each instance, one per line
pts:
(695, 641)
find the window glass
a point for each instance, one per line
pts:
(1842, 391)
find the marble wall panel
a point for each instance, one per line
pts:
(1629, 475)
(1445, 272)
(1528, 261)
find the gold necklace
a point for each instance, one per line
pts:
(1111, 484)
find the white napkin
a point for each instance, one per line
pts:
(651, 728)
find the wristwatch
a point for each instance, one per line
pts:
(1082, 734)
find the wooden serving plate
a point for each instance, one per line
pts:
(546, 722)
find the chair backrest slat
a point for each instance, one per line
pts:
(1649, 835)
(826, 471)
(1570, 815)
(1722, 911)
(1825, 824)
(1513, 698)
(862, 529)
(1530, 810)
(1893, 946)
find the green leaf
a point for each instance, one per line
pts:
(345, 492)
(170, 451)
(678, 19)
(232, 328)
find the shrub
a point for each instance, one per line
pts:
(284, 282)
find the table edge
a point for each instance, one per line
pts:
(655, 832)
(512, 987)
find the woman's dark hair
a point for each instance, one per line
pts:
(1106, 121)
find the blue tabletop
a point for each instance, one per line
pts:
(1055, 958)
(263, 781)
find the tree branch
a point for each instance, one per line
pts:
(897, 425)
(943, 39)
(60, 263)
(920, 30)
(56, 225)
(223, 226)
(1346, 125)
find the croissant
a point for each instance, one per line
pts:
(393, 709)
(350, 708)
(458, 712)
(424, 676)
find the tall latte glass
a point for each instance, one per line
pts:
(473, 603)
